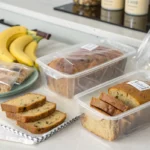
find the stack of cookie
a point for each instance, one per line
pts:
(33, 113)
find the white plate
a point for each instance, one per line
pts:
(64, 105)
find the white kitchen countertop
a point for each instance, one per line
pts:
(43, 10)
(75, 137)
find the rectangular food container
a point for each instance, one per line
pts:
(103, 61)
(113, 127)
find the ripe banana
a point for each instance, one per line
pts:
(15, 36)
(5, 38)
(17, 49)
(31, 49)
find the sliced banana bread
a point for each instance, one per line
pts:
(114, 102)
(128, 94)
(109, 109)
(33, 114)
(44, 125)
(23, 103)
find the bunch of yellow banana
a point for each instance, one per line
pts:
(18, 44)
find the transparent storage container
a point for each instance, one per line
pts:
(114, 127)
(84, 66)
(87, 2)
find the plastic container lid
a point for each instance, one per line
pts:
(82, 59)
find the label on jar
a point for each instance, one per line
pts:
(113, 4)
(141, 86)
(90, 47)
(137, 7)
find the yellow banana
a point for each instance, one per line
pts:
(17, 49)
(5, 37)
(31, 49)
(15, 36)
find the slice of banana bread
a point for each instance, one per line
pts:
(44, 125)
(128, 94)
(114, 102)
(23, 103)
(33, 114)
(109, 109)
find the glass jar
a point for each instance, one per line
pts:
(137, 7)
(90, 12)
(87, 2)
(136, 22)
(115, 17)
(112, 4)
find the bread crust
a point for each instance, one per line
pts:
(111, 110)
(139, 97)
(114, 102)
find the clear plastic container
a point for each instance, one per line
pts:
(84, 66)
(113, 127)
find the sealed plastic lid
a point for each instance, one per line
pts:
(84, 58)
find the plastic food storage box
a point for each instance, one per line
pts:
(113, 127)
(78, 68)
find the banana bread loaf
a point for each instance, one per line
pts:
(130, 95)
(81, 61)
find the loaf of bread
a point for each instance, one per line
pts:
(80, 61)
(44, 125)
(107, 129)
(33, 114)
(23, 103)
(129, 94)
(114, 102)
(106, 107)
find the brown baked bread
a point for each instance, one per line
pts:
(80, 61)
(23, 103)
(33, 114)
(44, 125)
(113, 101)
(109, 109)
(24, 71)
(6, 83)
(129, 94)
(107, 129)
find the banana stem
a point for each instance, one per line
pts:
(33, 33)
(38, 38)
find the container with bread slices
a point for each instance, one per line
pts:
(119, 106)
(83, 66)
